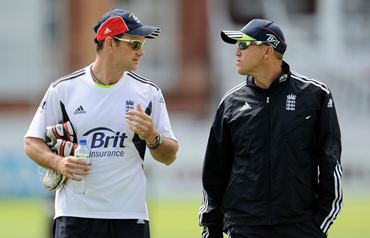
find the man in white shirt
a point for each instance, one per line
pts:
(119, 113)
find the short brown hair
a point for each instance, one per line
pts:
(100, 44)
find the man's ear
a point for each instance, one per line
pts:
(268, 52)
(108, 42)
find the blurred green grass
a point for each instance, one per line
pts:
(22, 218)
(169, 218)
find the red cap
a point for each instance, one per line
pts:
(111, 27)
(119, 21)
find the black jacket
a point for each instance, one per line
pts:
(273, 157)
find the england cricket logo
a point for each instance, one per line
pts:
(130, 105)
(290, 102)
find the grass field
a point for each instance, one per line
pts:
(169, 219)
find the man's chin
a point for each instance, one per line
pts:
(241, 72)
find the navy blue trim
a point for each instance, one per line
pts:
(69, 77)
(140, 145)
(141, 79)
(66, 118)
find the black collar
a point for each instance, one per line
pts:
(282, 79)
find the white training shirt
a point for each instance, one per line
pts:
(116, 185)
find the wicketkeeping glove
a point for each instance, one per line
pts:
(59, 131)
(63, 148)
(60, 139)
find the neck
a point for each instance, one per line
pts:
(264, 78)
(104, 73)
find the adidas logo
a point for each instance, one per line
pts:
(79, 110)
(140, 221)
(246, 106)
(330, 103)
(107, 31)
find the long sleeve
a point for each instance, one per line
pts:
(215, 177)
(330, 193)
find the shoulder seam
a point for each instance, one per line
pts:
(234, 89)
(68, 77)
(141, 79)
(314, 82)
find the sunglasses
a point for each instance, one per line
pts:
(242, 45)
(134, 44)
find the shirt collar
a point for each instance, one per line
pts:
(280, 80)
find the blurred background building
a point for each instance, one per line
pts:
(42, 40)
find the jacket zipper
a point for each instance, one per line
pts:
(269, 160)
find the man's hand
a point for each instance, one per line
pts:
(73, 168)
(142, 124)
(59, 138)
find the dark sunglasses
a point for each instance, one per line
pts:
(134, 44)
(242, 45)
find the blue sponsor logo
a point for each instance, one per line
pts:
(102, 137)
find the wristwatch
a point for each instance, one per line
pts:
(157, 142)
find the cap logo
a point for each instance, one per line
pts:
(135, 18)
(107, 31)
(118, 21)
(272, 39)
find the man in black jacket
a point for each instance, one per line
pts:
(272, 165)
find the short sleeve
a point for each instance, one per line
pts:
(160, 117)
(48, 113)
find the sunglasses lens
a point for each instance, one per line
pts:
(136, 45)
(242, 45)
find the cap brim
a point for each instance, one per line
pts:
(149, 32)
(232, 37)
